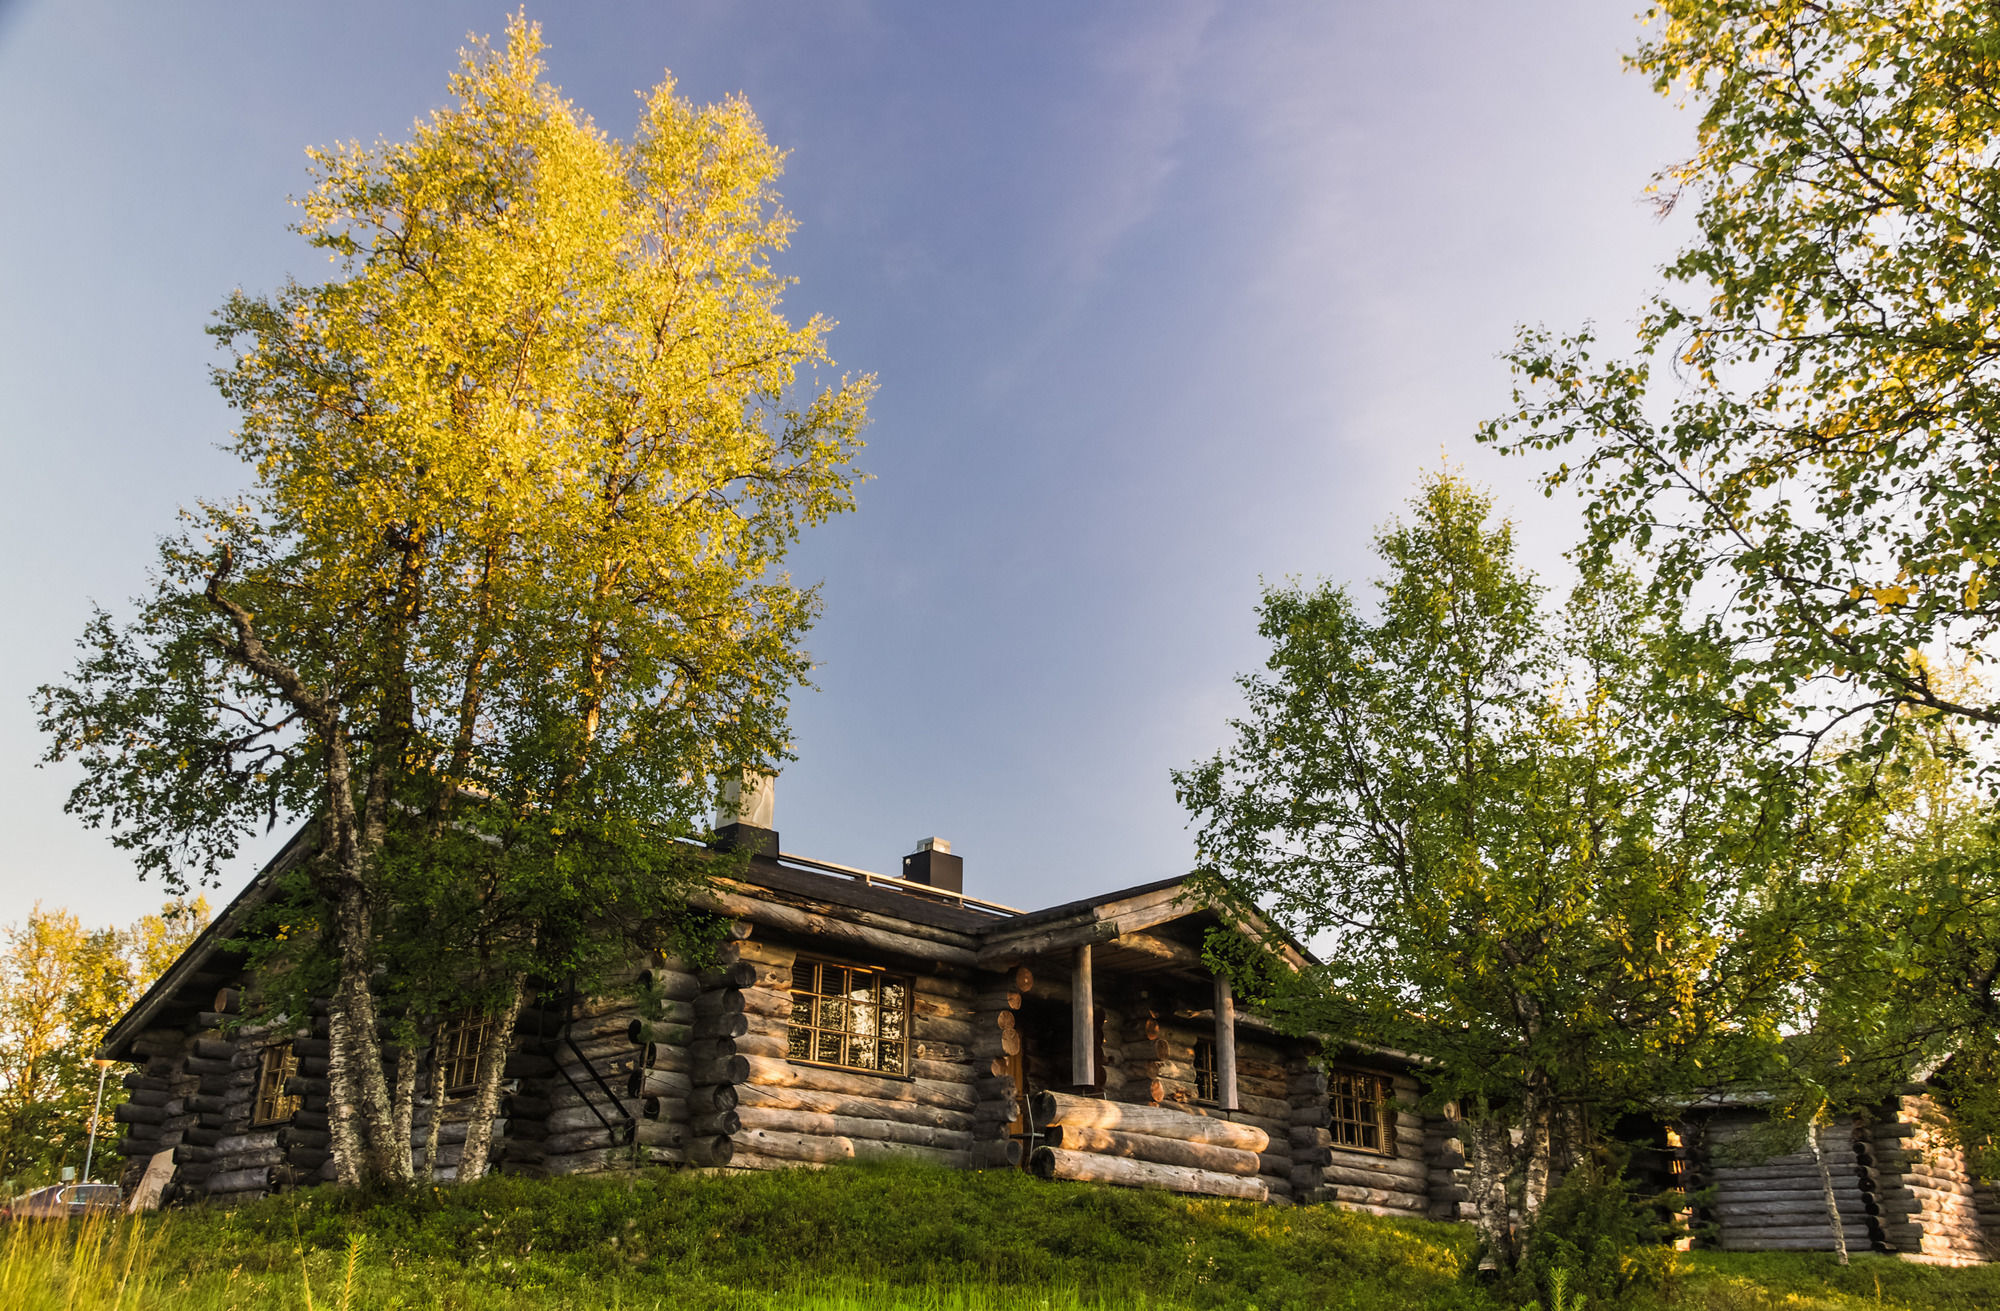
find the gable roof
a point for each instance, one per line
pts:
(939, 925)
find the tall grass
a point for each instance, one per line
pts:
(850, 1239)
(102, 1262)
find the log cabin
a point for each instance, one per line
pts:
(1899, 1183)
(852, 1015)
(857, 1016)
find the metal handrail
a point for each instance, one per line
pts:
(870, 878)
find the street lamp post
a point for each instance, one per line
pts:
(103, 1068)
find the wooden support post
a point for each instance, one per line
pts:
(1225, 1043)
(1082, 1022)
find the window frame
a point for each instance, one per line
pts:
(451, 1052)
(1384, 1123)
(270, 1104)
(882, 976)
(1207, 1073)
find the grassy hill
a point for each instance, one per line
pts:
(859, 1237)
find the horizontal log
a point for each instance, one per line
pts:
(1062, 1108)
(527, 1065)
(246, 1160)
(786, 1074)
(713, 1098)
(853, 1126)
(942, 1030)
(665, 984)
(658, 1083)
(250, 1180)
(1151, 1147)
(826, 931)
(255, 1140)
(144, 1083)
(640, 1032)
(586, 1140)
(200, 1065)
(763, 1044)
(665, 1056)
(1362, 1177)
(665, 1108)
(836, 1103)
(997, 1154)
(1055, 1163)
(134, 1113)
(1735, 1196)
(1387, 1199)
(583, 1117)
(823, 1148)
(661, 1133)
(943, 1071)
(722, 1069)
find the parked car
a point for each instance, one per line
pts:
(64, 1201)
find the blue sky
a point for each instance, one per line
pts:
(1165, 298)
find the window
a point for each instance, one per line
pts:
(848, 1016)
(277, 1065)
(1360, 1111)
(1207, 1083)
(458, 1047)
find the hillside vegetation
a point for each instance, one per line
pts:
(854, 1237)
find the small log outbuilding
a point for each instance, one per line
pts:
(1898, 1182)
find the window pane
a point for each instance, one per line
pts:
(802, 1009)
(861, 1053)
(832, 980)
(832, 1013)
(891, 1018)
(829, 1048)
(798, 1045)
(802, 975)
(861, 1019)
(892, 1057)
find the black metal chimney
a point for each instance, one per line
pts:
(933, 864)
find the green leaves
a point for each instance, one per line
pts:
(1528, 845)
(1822, 451)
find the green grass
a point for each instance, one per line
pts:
(834, 1240)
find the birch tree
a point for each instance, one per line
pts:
(508, 576)
(1520, 839)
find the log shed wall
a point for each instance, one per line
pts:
(1930, 1206)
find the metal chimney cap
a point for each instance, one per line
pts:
(939, 845)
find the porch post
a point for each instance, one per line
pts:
(1225, 1043)
(1082, 1022)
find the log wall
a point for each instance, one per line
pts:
(1930, 1205)
(794, 1113)
(1766, 1201)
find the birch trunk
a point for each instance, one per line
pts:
(1492, 1159)
(1534, 1156)
(492, 1061)
(429, 1172)
(1826, 1189)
